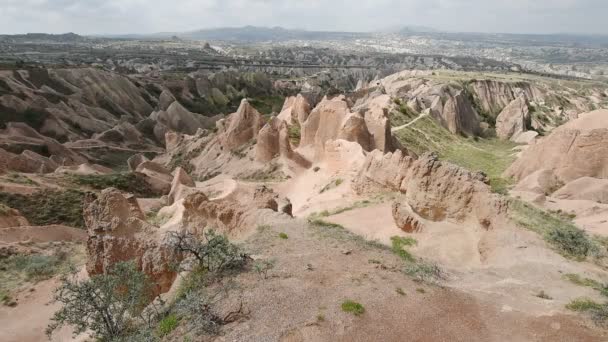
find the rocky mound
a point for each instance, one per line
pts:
(295, 110)
(577, 149)
(333, 120)
(585, 188)
(177, 118)
(118, 232)
(433, 190)
(513, 120)
(11, 218)
(240, 127)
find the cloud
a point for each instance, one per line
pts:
(147, 16)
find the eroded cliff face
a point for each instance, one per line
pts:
(118, 232)
(574, 150)
(433, 190)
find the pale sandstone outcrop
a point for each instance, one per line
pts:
(177, 118)
(118, 232)
(230, 215)
(459, 116)
(84, 169)
(27, 161)
(577, 149)
(181, 186)
(406, 219)
(240, 127)
(585, 188)
(135, 160)
(295, 110)
(543, 181)
(333, 120)
(513, 119)
(434, 190)
(10, 217)
(273, 141)
(528, 137)
(157, 176)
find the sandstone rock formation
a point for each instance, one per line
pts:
(179, 119)
(181, 186)
(48, 153)
(513, 120)
(543, 181)
(585, 188)
(118, 232)
(458, 115)
(135, 160)
(577, 149)
(333, 120)
(406, 219)
(295, 110)
(157, 176)
(240, 127)
(11, 218)
(434, 190)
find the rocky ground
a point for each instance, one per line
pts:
(442, 205)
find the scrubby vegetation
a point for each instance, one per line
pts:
(48, 206)
(131, 182)
(353, 307)
(31, 268)
(267, 104)
(333, 184)
(564, 236)
(398, 246)
(594, 284)
(107, 305)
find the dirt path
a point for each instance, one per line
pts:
(423, 115)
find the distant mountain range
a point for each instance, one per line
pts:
(44, 37)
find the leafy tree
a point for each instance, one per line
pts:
(212, 252)
(106, 304)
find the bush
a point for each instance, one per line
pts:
(424, 272)
(106, 305)
(283, 236)
(353, 307)
(571, 241)
(197, 313)
(583, 305)
(213, 253)
(167, 325)
(566, 238)
(37, 266)
(398, 244)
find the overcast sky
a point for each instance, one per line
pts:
(148, 16)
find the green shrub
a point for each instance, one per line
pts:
(37, 266)
(262, 267)
(167, 325)
(283, 236)
(398, 244)
(400, 291)
(353, 307)
(106, 304)
(295, 134)
(570, 240)
(583, 305)
(566, 238)
(212, 252)
(424, 272)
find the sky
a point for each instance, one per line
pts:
(150, 16)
